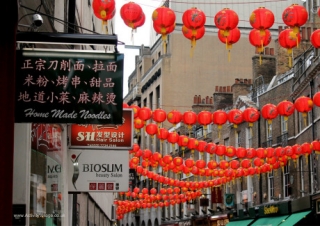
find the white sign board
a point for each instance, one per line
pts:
(98, 171)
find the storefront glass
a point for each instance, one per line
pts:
(46, 178)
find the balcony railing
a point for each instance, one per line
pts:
(282, 140)
(267, 143)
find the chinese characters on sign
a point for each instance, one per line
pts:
(69, 87)
(104, 136)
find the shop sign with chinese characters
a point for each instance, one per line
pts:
(98, 171)
(106, 136)
(69, 87)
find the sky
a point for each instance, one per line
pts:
(141, 36)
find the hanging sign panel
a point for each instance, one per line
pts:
(98, 171)
(69, 87)
(106, 136)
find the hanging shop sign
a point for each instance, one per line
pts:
(98, 171)
(69, 87)
(229, 200)
(216, 195)
(106, 136)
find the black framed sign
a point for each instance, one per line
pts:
(69, 87)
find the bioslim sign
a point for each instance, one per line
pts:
(98, 170)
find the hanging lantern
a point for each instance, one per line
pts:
(261, 19)
(246, 163)
(232, 38)
(251, 153)
(189, 118)
(177, 161)
(235, 117)
(159, 116)
(152, 129)
(316, 99)
(201, 146)
(201, 164)
(316, 146)
(212, 164)
(269, 112)
(211, 148)
(230, 151)
(156, 156)
(131, 13)
(192, 144)
(145, 113)
(288, 40)
(137, 23)
(303, 105)
(261, 153)
(174, 117)
(219, 118)
(234, 164)
(167, 159)
(226, 20)
(285, 108)
(258, 162)
(138, 124)
(280, 152)
(189, 163)
(221, 150)
(135, 109)
(204, 119)
(295, 16)
(223, 164)
(306, 150)
(250, 115)
(241, 152)
(104, 10)
(162, 134)
(193, 35)
(173, 138)
(259, 40)
(315, 38)
(163, 22)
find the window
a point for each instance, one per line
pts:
(304, 120)
(152, 61)
(284, 125)
(248, 137)
(237, 139)
(286, 180)
(140, 70)
(158, 96)
(151, 100)
(226, 142)
(271, 185)
(159, 54)
(302, 188)
(268, 130)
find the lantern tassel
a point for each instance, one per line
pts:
(164, 41)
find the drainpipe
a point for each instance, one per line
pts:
(313, 137)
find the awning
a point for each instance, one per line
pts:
(270, 221)
(240, 223)
(295, 218)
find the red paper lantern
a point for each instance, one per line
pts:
(246, 163)
(235, 117)
(261, 19)
(103, 10)
(131, 13)
(189, 118)
(258, 161)
(159, 115)
(251, 153)
(145, 113)
(167, 159)
(259, 40)
(270, 152)
(288, 40)
(269, 112)
(135, 109)
(137, 23)
(230, 151)
(219, 118)
(156, 156)
(152, 129)
(174, 117)
(234, 164)
(177, 161)
(192, 144)
(280, 152)
(138, 123)
(241, 152)
(211, 148)
(162, 134)
(250, 115)
(204, 119)
(316, 146)
(173, 138)
(201, 146)
(226, 20)
(223, 164)
(315, 38)
(303, 105)
(163, 22)
(261, 153)
(200, 164)
(306, 149)
(295, 16)
(183, 141)
(212, 164)
(220, 150)
(189, 163)
(285, 108)
(193, 35)
(193, 18)
(232, 38)
(316, 99)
